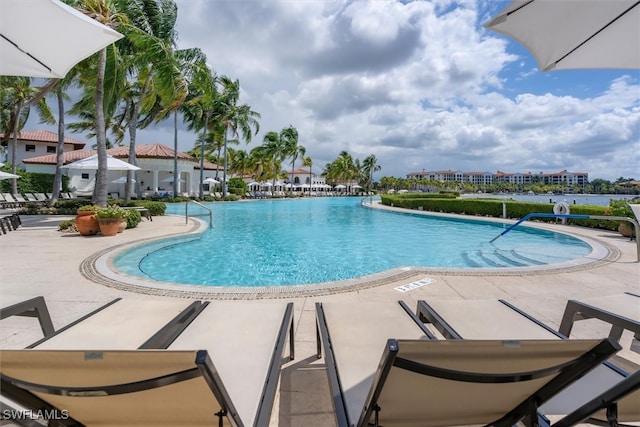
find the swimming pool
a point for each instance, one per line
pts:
(304, 241)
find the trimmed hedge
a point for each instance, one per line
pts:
(439, 195)
(493, 208)
(156, 208)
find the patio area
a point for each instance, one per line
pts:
(39, 260)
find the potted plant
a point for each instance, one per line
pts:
(109, 219)
(86, 220)
(621, 208)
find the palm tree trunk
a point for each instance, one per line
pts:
(100, 190)
(204, 137)
(224, 170)
(57, 179)
(14, 150)
(176, 179)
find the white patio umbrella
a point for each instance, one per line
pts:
(211, 181)
(121, 180)
(6, 175)
(356, 186)
(91, 162)
(46, 38)
(170, 179)
(340, 187)
(574, 34)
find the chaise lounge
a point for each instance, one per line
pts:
(420, 381)
(621, 311)
(498, 319)
(620, 403)
(32, 307)
(105, 381)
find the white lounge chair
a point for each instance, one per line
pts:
(497, 319)
(621, 311)
(421, 382)
(98, 383)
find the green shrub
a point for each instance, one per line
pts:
(132, 217)
(493, 208)
(68, 225)
(155, 207)
(111, 211)
(70, 206)
(88, 208)
(231, 197)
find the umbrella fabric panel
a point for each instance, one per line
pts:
(6, 175)
(46, 38)
(575, 34)
(91, 162)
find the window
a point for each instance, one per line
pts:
(30, 147)
(51, 148)
(85, 176)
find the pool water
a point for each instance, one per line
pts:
(304, 241)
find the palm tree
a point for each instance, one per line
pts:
(238, 120)
(240, 162)
(308, 162)
(369, 166)
(155, 67)
(199, 109)
(342, 169)
(275, 146)
(293, 149)
(105, 12)
(17, 97)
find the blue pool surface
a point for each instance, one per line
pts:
(304, 241)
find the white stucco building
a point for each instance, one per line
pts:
(156, 163)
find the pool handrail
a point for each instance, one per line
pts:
(576, 216)
(186, 212)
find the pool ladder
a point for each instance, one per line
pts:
(209, 212)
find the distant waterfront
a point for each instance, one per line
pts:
(573, 199)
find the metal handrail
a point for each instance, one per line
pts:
(577, 216)
(186, 212)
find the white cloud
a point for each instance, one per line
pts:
(419, 84)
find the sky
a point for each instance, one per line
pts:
(422, 85)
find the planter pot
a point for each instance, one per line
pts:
(626, 229)
(122, 226)
(87, 223)
(109, 226)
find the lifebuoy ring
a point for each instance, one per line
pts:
(561, 208)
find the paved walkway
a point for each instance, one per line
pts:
(37, 259)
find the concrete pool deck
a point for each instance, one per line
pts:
(37, 260)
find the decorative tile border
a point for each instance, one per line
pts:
(99, 268)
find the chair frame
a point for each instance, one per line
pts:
(34, 307)
(323, 339)
(23, 392)
(160, 340)
(526, 411)
(428, 314)
(578, 310)
(607, 400)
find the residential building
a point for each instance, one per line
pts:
(156, 162)
(36, 143)
(562, 178)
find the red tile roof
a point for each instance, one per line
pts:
(297, 171)
(44, 136)
(152, 151)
